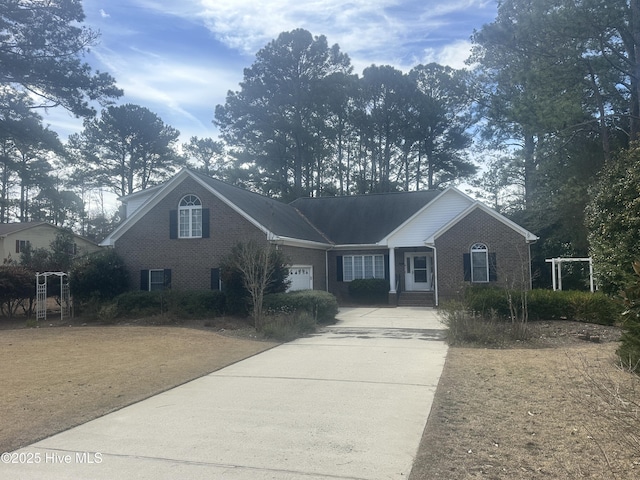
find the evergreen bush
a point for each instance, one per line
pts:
(629, 350)
(179, 304)
(17, 285)
(100, 276)
(547, 305)
(369, 290)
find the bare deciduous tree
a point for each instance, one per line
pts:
(263, 270)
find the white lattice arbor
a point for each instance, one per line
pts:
(556, 271)
(41, 294)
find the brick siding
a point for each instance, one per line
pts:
(146, 245)
(512, 253)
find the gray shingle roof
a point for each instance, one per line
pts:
(6, 228)
(280, 218)
(362, 219)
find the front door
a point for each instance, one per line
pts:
(418, 271)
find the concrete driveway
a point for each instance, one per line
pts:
(349, 402)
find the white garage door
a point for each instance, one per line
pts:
(301, 278)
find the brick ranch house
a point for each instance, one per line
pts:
(428, 245)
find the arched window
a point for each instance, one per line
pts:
(479, 263)
(190, 217)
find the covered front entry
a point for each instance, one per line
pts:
(418, 271)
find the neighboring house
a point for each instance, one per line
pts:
(14, 238)
(428, 245)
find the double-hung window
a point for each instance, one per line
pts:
(156, 280)
(22, 245)
(479, 263)
(190, 217)
(362, 266)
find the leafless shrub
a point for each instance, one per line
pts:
(610, 396)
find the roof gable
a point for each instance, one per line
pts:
(529, 237)
(274, 218)
(429, 219)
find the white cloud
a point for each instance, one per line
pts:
(104, 14)
(379, 31)
(172, 88)
(452, 55)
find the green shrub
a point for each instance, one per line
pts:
(181, 304)
(322, 306)
(483, 300)
(17, 284)
(102, 276)
(369, 290)
(196, 304)
(141, 304)
(594, 308)
(629, 351)
(285, 327)
(546, 304)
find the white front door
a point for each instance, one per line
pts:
(418, 271)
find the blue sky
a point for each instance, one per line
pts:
(179, 58)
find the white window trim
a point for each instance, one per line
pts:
(479, 248)
(161, 270)
(361, 274)
(189, 209)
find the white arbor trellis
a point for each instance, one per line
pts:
(41, 294)
(556, 271)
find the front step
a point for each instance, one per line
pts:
(417, 299)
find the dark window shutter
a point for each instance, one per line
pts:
(144, 280)
(167, 278)
(493, 270)
(17, 246)
(339, 268)
(386, 267)
(215, 279)
(173, 224)
(466, 265)
(205, 223)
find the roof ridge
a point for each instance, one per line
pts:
(373, 194)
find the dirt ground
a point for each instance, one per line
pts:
(526, 413)
(534, 413)
(54, 378)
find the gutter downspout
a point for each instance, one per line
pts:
(326, 270)
(435, 269)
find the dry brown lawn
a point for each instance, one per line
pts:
(534, 413)
(59, 377)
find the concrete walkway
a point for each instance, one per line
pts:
(349, 402)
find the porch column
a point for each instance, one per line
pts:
(392, 270)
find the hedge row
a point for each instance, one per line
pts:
(182, 304)
(322, 306)
(546, 304)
